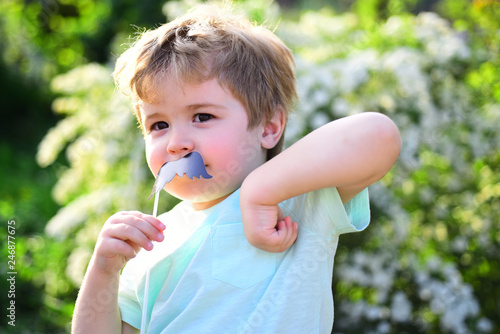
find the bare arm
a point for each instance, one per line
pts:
(96, 309)
(350, 154)
(123, 235)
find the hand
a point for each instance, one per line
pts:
(265, 227)
(122, 236)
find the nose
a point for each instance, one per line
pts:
(179, 142)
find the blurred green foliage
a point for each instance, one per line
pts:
(427, 264)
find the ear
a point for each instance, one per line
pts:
(273, 130)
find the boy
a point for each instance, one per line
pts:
(229, 259)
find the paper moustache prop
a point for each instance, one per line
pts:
(191, 165)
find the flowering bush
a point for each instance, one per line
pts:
(104, 148)
(427, 263)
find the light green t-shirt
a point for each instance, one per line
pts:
(206, 278)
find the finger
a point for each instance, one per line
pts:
(155, 234)
(148, 225)
(289, 230)
(294, 227)
(130, 235)
(111, 248)
(285, 225)
(280, 213)
(134, 246)
(284, 236)
(131, 228)
(153, 221)
(123, 248)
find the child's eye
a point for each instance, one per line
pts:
(159, 126)
(202, 117)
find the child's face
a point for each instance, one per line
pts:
(209, 120)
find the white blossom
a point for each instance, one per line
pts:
(400, 308)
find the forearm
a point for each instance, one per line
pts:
(96, 309)
(350, 154)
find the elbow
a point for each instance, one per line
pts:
(386, 140)
(389, 136)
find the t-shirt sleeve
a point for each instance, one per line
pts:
(358, 211)
(128, 302)
(322, 212)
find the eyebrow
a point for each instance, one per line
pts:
(190, 108)
(194, 107)
(150, 115)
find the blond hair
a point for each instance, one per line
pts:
(211, 42)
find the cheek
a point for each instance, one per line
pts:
(249, 148)
(239, 153)
(154, 158)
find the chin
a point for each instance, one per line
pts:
(198, 191)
